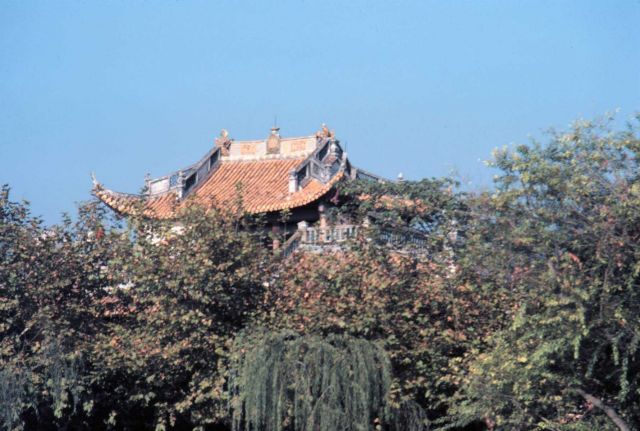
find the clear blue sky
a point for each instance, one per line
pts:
(128, 87)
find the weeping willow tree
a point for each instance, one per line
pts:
(13, 396)
(309, 383)
(50, 381)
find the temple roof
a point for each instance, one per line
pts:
(263, 176)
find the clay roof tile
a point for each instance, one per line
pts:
(261, 185)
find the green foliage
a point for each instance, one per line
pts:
(13, 397)
(285, 381)
(425, 312)
(187, 291)
(427, 205)
(393, 301)
(49, 280)
(121, 327)
(522, 314)
(569, 213)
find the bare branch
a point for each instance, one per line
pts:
(615, 418)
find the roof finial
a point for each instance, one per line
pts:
(273, 141)
(94, 180)
(324, 132)
(224, 142)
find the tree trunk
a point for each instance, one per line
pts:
(615, 418)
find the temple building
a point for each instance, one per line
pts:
(267, 176)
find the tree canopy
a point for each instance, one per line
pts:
(522, 311)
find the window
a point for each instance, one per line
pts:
(190, 182)
(214, 158)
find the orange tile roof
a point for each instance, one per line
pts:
(156, 207)
(263, 186)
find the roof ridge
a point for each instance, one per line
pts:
(282, 138)
(264, 158)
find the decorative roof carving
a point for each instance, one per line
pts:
(324, 132)
(224, 142)
(273, 141)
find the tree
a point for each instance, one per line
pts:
(569, 213)
(284, 381)
(522, 310)
(417, 309)
(105, 326)
(49, 280)
(187, 288)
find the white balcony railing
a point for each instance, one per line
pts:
(328, 235)
(316, 238)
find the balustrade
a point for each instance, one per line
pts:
(335, 237)
(328, 235)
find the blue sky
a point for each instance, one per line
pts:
(122, 88)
